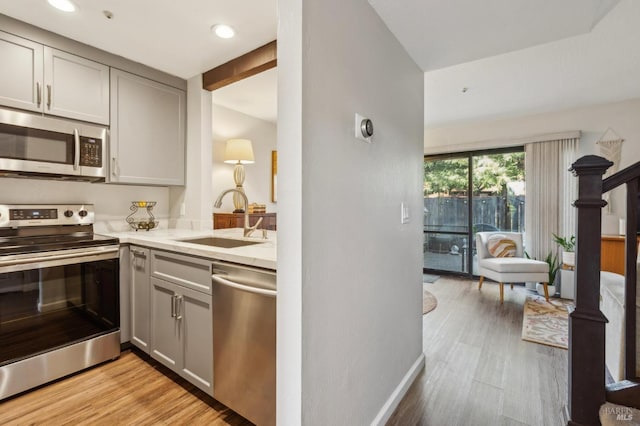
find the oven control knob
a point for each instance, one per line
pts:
(82, 213)
(68, 213)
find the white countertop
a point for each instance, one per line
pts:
(262, 255)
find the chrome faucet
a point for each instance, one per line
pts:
(248, 230)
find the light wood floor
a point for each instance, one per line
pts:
(478, 369)
(128, 391)
(478, 372)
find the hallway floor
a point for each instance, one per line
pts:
(478, 369)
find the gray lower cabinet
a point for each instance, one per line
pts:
(179, 315)
(125, 294)
(181, 331)
(139, 270)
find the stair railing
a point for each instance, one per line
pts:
(587, 381)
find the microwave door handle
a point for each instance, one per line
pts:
(76, 149)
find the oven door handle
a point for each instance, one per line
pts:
(88, 255)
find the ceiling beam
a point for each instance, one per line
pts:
(252, 63)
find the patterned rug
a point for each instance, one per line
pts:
(429, 301)
(545, 322)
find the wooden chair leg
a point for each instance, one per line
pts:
(511, 286)
(501, 293)
(546, 292)
(480, 282)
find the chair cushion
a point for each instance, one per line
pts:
(514, 265)
(500, 245)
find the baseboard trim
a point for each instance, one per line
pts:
(399, 392)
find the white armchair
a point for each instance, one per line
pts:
(509, 269)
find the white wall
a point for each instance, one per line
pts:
(593, 121)
(358, 288)
(196, 195)
(230, 124)
(111, 202)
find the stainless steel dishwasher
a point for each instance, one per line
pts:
(244, 340)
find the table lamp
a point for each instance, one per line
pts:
(238, 152)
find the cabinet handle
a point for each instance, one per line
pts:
(137, 252)
(38, 94)
(173, 306)
(48, 96)
(179, 301)
(114, 165)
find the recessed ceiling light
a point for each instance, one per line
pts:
(63, 5)
(223, 31)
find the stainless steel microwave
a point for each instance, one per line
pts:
(47, 147)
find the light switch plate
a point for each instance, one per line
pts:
(404, 213)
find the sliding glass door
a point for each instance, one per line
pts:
(468, 193)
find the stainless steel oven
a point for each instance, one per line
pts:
(37, 146)
(59, 294)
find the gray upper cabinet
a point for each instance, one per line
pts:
(42, 79)
(147, 143)
(75, 87)
(21, 77)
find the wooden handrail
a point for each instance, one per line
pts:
(623, 176)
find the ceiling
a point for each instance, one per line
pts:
(255, 96)
(169, 35)
(514, 56)
(441, 33)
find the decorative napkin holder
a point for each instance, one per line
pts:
(147, 223)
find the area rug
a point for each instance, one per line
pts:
(545, 322)
(428, 278)
(429, 302)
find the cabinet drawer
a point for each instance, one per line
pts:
(189, 271)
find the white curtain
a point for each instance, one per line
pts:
(551, 190)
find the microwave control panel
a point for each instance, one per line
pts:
(90, 152)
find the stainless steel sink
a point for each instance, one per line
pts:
(221, 242)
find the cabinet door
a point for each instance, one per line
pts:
(165, 327)
(75, 87)
(125, 294)
(140, 312)
(20, 73)
(147, 131)
(197, 356)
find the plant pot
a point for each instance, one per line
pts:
(569, 258)
(540, 289)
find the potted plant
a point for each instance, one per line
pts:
(554, 266)
(568, 245)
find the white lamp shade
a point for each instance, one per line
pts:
(238, 150)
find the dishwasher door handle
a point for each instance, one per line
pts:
(250, 289)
